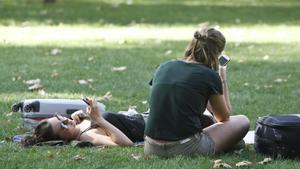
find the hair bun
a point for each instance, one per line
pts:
(200, 35)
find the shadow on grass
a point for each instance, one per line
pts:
(101, 13)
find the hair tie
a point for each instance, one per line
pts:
(202, 36)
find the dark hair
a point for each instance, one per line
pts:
(42, 132)
(206, 46)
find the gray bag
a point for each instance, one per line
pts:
(35, 110)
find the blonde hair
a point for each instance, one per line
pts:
(206, 46)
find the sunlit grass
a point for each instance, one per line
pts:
(91, 36)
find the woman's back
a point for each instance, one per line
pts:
(179, 95)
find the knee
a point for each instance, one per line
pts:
(244, 122)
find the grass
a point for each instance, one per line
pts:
(95, 36)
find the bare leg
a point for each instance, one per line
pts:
(227, 134)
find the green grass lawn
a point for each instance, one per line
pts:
(94, 36)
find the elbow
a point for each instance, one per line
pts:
(224, 117)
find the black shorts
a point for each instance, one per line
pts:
(132, 126)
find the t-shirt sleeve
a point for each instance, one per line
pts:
(151, 80)
(216, 87)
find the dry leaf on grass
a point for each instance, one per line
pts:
(220, 164)
(54, 74)
(168, 52)
(33, 82)
(136, 156)
(105, 97)
(85, 82)
(36, 87)
(90, 59)
(146, 157)
(9, 114)
(266, 57)
(243, 163)
(42, 92)
(55, 51)
(16, 78)
(119, 69)
(50, 156)
(265, 161)
(77, 158)
(279, 80)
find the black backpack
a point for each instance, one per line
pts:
(278, 135)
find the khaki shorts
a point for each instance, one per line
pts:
(198, 144)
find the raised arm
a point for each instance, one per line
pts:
(220, 104)
(115, 135)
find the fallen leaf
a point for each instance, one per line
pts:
(119, 69)
(9, 114)
(101, 147)
(16, 78)
(266, 57)
(168, 52)
(90, 59)
(90, 80)
(106, 97)
(85, 82)
(35, 87)
(77, 158)
(50, 156)
(220, 164)
(243, 163)
(33, 82)
(146, 157)
(268, 86)
(18, 128)
(55, 51)
(265, 161)
(54, 74)
(42, 92)
(279, 80)
(136, 156)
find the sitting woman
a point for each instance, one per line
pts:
(96, 130)
(181, 91)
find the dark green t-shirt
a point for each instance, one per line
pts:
(179, 95)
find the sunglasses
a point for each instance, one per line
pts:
(63, 121)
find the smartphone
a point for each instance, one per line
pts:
(85, 100)
(223, 60)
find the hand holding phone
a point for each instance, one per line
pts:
(223, 60)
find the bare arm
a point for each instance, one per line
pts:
(220, 104)
(223, 73)
(115, 135)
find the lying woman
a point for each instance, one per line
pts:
(96, 130)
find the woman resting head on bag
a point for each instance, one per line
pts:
(181, 91)
(96, 130)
